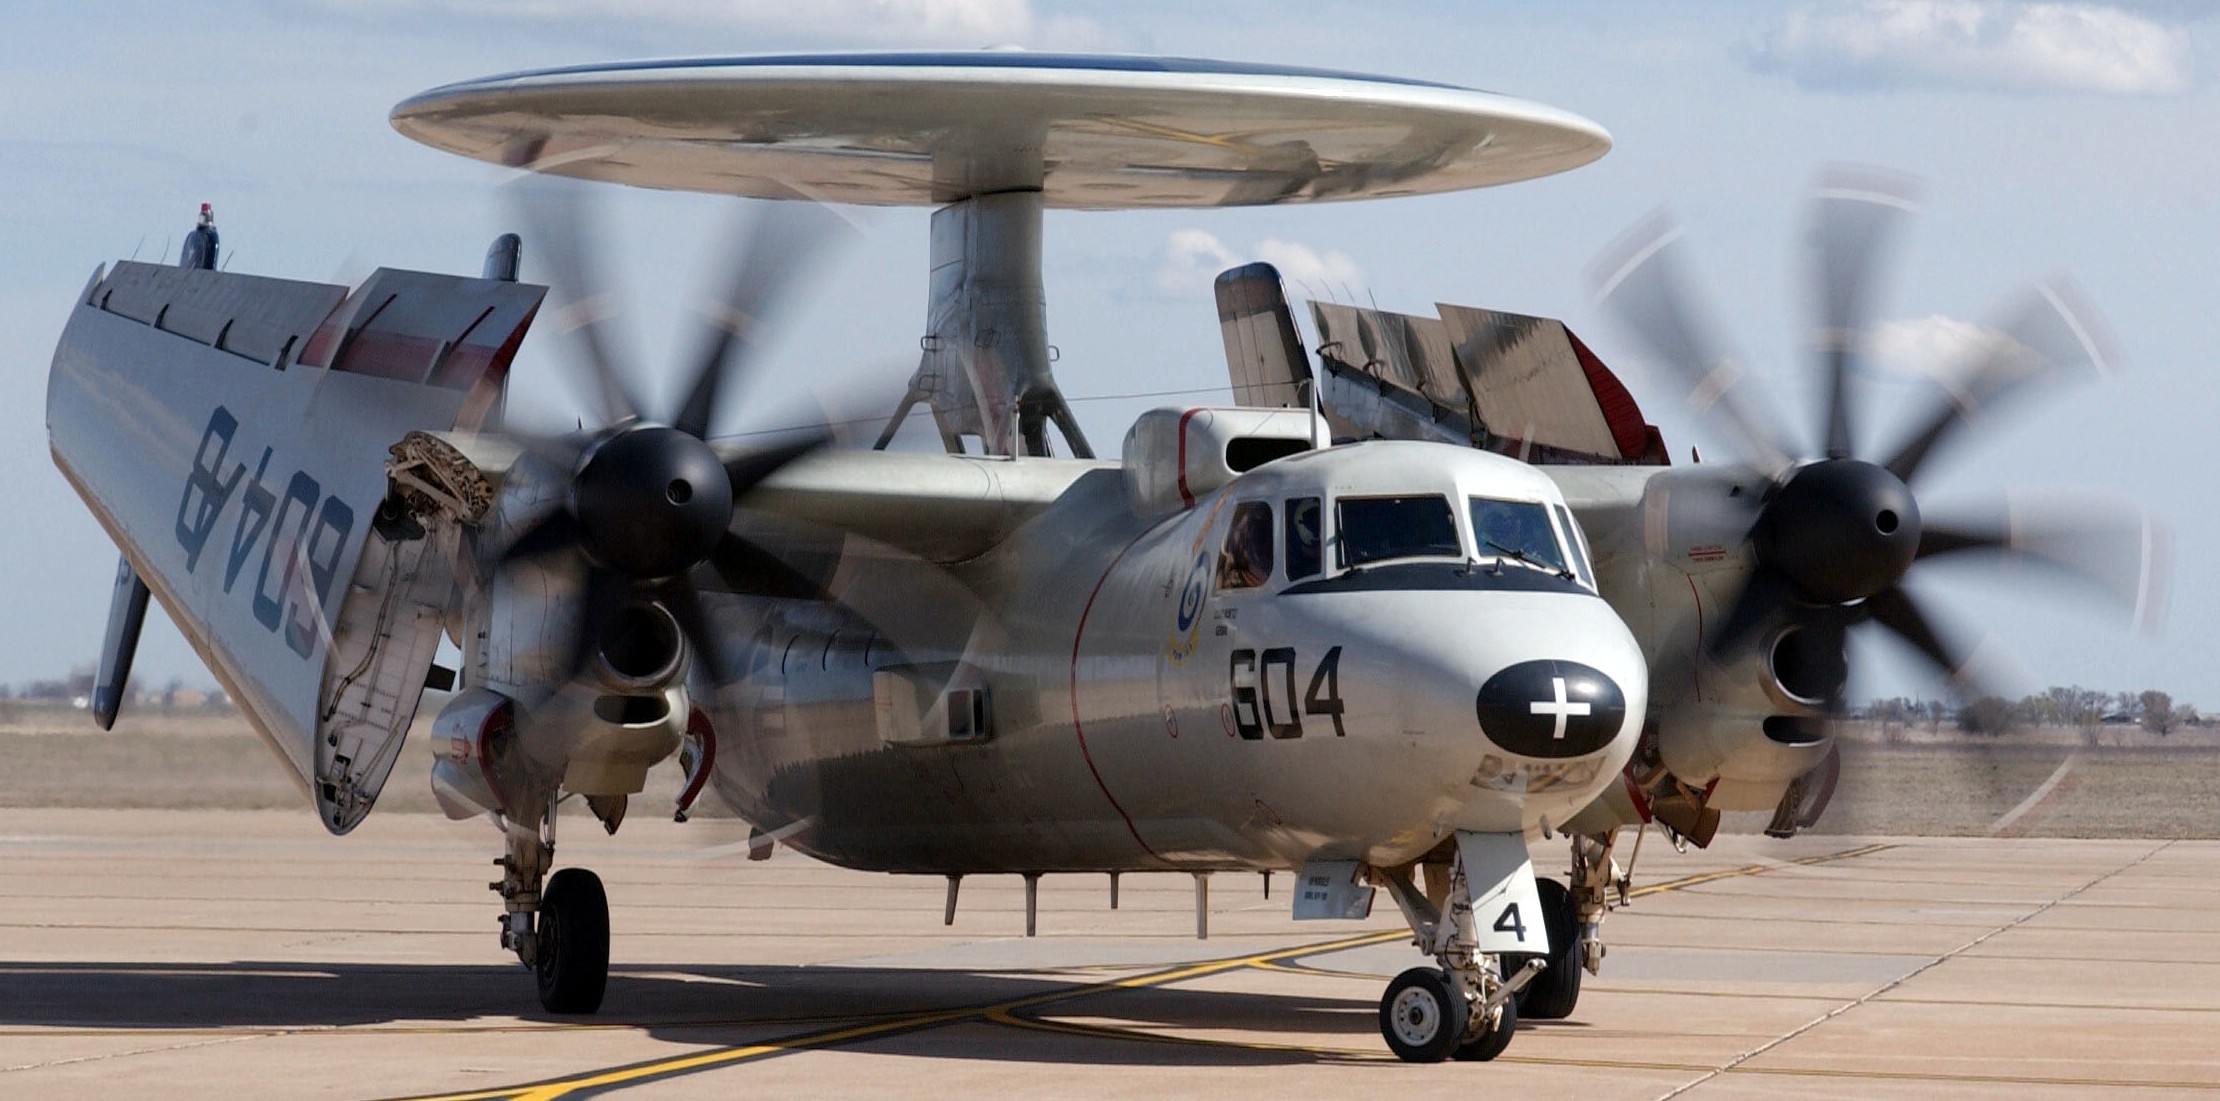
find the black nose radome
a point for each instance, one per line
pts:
(1551, 709)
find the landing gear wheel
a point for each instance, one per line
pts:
(1491, 1043)
(1551, 995)
(572, 960)
(1422, 1016)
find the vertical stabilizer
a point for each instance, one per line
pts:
(1264, 355)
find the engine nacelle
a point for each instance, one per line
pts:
(1671, 549)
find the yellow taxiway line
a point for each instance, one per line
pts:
(1009, 1012)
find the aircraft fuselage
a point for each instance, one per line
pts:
(1350, 691)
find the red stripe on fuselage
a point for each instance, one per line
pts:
(1185, 497)
(1080, 632)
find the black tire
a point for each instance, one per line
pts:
(572, 962)
(1491, 1043)
(1422, 1016)
(1553, 993)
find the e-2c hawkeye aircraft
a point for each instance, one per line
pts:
(1380, 622)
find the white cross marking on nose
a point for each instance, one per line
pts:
(1562, 707)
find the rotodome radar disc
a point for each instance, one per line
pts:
(1088, 132)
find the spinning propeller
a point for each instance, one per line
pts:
(1834, 535)
(648, 500)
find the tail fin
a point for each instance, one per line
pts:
(231, 433)
(1264, 355)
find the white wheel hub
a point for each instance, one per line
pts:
(1417, 1014)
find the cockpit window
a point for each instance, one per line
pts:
(1247, 560)
(1303, 559)
(1517, 530)
(1375, 529)
(1579, 541)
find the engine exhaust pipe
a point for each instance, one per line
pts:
(640, 650)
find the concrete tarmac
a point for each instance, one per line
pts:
(186, 954)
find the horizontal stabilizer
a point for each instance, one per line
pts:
(1512, 384)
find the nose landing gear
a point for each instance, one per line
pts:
(1466, 1008)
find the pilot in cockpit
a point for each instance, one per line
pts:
(1247, 562)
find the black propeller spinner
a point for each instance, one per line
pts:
(648, 499)
(1834, 536)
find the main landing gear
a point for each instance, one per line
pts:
(1467, 1006)
(557, 925)
(1553, 994)
(1575, 916)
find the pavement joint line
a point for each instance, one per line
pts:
(230, 1038)
(2079, 1007)
(1971, 1003)
(638, 1073)
(1996, 1079)
(1736, 1063)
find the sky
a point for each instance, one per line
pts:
(2071, 137)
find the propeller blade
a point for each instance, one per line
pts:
(555, 213)
(559, 453)
(1763, 598)
(787, 237)
(2118, 550)
(748, 568)
(553, 532)
(1896, 610)
(749, 470)
(1641, 281)
(1856, 217)
(2053, 331)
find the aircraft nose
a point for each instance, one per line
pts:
(1551, 708)
(1542, 677)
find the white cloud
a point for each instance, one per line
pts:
(1922, 347)
(1992, 45)
(1193, 258)
(1935, 347)
(892, 22)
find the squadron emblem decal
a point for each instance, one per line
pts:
(1194, 592)
(1187, 627)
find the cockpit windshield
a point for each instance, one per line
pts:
(1517, 530)
(1376, 529)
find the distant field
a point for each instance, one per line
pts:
(1895, 782)
(58, 758)
(1965, 791)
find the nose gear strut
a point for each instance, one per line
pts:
(1466, 1007)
